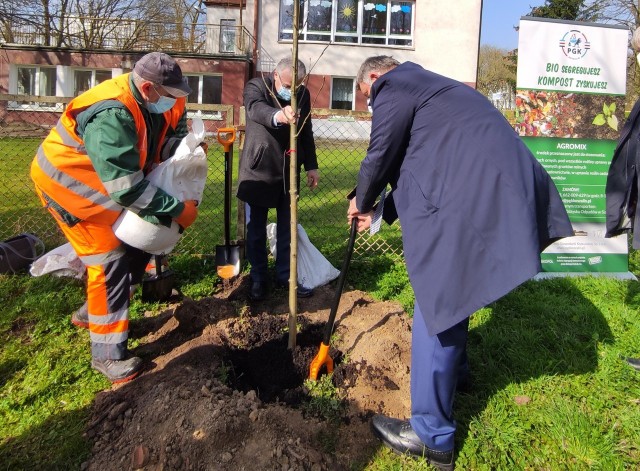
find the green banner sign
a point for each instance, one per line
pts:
(579, 169)
(569, 105)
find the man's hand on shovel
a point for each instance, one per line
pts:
(188, 214)
(364, 220)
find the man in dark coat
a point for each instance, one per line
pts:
(263, 180)
(476, 210)
(623, 179)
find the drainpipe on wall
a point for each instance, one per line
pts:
(256, 18)
(475, 85)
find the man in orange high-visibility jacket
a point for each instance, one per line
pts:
(91, 166)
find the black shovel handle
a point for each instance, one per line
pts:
(158, 259)
(226, 137)
(227, 194)
(341, 279)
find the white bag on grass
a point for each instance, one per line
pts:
(61, 261)
(184, 176)
(313, 268)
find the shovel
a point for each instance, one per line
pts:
(227, 255)
(159, 286)
(322, 357)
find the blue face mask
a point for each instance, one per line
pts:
(163, 104)
(284, 93)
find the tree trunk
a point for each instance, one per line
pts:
(293, 188)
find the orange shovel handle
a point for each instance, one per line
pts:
(322, 358)
(228, 139)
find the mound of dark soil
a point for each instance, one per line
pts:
(223, 391)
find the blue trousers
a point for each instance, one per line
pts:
(256, 217)
(436, 364)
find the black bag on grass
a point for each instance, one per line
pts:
(18, 252)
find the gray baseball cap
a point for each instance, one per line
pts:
(162, 69)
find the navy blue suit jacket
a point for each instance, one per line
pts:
(476, 208)
(623, 180)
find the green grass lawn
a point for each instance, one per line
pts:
(551, 389)
(322, 212)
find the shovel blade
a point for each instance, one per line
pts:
(227, 261)
(322, 358)
(157, 287)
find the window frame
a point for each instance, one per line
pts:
(205, 114)
(33, 106)
(284, 34)
(92, 80)
(227, 25)
(353, 92)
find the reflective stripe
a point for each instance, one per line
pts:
(74, 185)
(103, 258)
(124, 183)
(168, 147)
(67, 139)
(111, 318)
(145, 198)
(109, 338)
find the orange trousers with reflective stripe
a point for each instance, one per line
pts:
(110, 266)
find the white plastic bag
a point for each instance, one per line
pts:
(61, 261)
(313, 268)
(184, 176)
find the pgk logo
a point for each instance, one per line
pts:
(574, 44)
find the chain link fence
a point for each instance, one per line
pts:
(341, 140)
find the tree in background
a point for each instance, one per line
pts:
(496, 75)
(619, 12)
(114, 24)
(627, 13)
(575, 10)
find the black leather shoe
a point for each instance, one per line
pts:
(635, 362)
(302, 291)
(118, 371)
(399, 436)
(258, 291)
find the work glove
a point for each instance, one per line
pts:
(188, 214)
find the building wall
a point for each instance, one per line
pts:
(234, 72)
(447, 36)
(446, 41)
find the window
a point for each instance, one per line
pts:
(347, 22)
(34, 80)
(206, 90)
(342, 93)
(83, 80)
(227, 35)
(350, 21)
(318, 20)
(286, 18)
